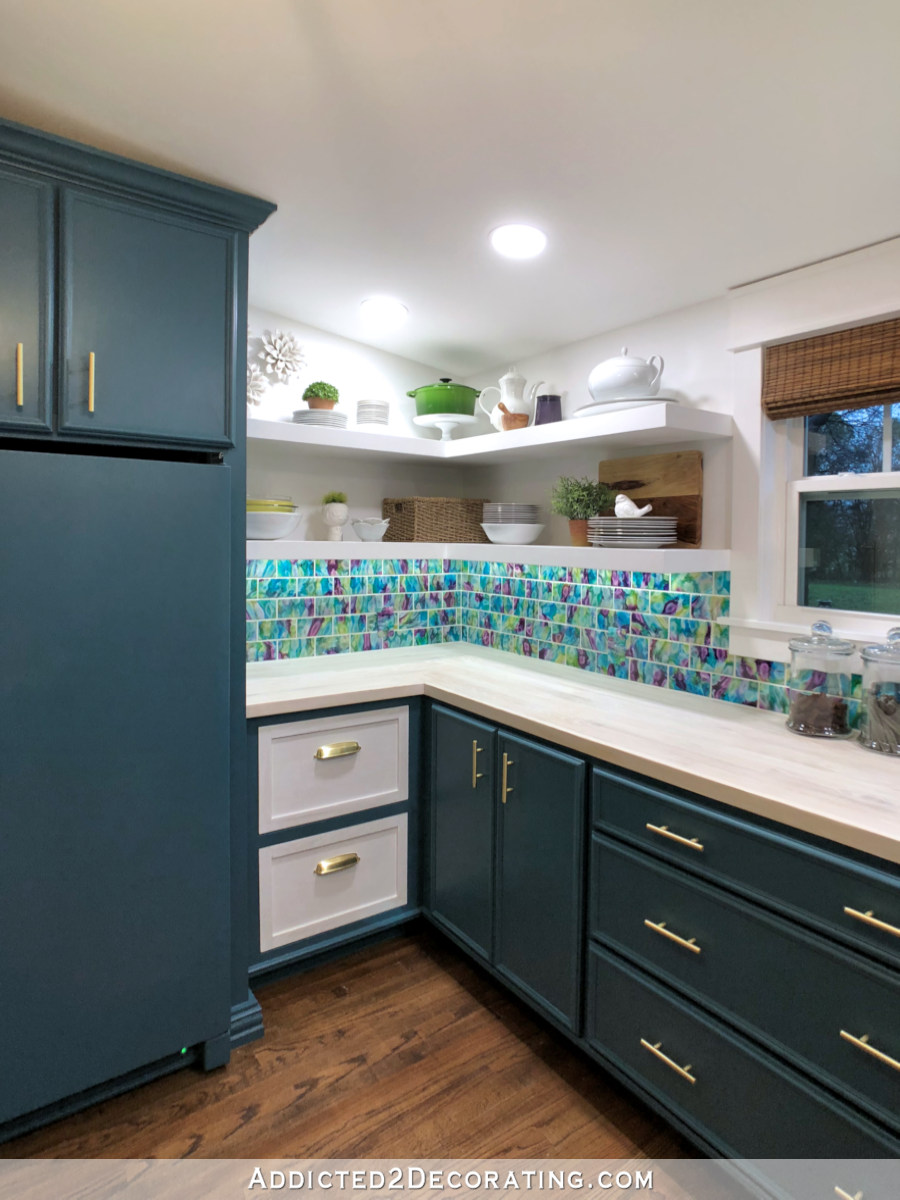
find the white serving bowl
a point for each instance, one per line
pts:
(268, 525)
(370, 529)
(513, 535)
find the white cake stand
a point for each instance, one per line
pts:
(445, 422)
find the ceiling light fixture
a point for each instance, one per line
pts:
(383, 313)
(518, 241)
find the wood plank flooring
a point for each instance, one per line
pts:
(403, 1050)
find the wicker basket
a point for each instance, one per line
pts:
(433, 519)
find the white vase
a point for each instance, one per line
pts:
(336, 517)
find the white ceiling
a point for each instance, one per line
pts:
(669, 148)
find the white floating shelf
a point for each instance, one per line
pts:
(662, 424)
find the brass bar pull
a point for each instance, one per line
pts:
(684, 1072)
(328, 866)
(504, 790)
(862, 1043)
(666, 832)
(20, 376)
(91, 373)
(660, 927)
(842, 1195)
(476, 774)
(337, 750)
(868, 919)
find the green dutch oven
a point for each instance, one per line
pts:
(444, 397)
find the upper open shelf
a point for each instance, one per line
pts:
(661, 424)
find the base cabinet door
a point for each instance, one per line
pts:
(539, 901)
(462, 826)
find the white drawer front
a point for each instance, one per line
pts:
(296, 787)
(295, 902)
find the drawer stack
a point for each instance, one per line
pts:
(728, 961)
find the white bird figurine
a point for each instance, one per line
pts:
(628, 508)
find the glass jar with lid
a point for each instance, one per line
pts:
(819, 684)
(880, 719)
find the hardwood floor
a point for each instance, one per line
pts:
(403, 1050)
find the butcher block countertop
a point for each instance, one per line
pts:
(738, 756)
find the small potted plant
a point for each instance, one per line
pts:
(336, 514)
(579, 499)
(321, 395)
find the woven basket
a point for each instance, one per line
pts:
(433, 519)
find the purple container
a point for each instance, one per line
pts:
(547, 410)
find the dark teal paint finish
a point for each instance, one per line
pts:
(27, 243)
(148, 293)
(462, 827)
(539, 895)
(114, 830)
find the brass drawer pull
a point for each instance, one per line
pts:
(328, 866)
(91, 373)
(868, 919)
(684, 1072)
(842, 1195)
(20, 376)
(862, 1043)
(476, 774)
(666, 832)
(504, 790)
(660, 927)
(338, 750)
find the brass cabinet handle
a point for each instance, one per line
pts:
(862, 1043)
(337, 750)
(868, 919)
(91, 373)
(654, 1048)
(842, 1195)
(476, 774)
(666, 832)
(504, 790)
(660, 927)
(20, 376)
(328, 866)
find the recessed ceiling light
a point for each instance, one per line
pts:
(383, 313)
(518, 241)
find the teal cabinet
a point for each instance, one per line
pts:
(26, 297)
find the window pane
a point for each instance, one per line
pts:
(849, 440)
(850, 551)
(895, 432)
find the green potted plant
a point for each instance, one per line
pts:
(579, 499)
(321, 395)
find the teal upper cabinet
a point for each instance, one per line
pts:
(146, 339)
(26, 271)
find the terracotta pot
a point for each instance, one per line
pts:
(320, 402)
(578, 533)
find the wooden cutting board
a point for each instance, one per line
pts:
(672, 483)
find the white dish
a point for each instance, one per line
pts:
(513, 535)
(619, 402)
(268, 525)
(370, 529)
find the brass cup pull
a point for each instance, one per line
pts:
(504, 790)
(842, 1195)
(868, 918)
(337, 750)
(91, 379)
(329, 866)
(660, 927)
(476, 774)
(654, 1048)
(20, 375)
(666, 832)
(862, 1043)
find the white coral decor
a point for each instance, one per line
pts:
(257, 384)
(282, 355)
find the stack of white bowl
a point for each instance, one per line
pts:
(372, 412)
(322, 417)
(270, 518)
(511, 523)
(633, 533)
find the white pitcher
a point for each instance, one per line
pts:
(511, 393)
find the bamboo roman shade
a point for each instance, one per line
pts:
(849, 369)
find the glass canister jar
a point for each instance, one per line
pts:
(819, 684)
(880, 718)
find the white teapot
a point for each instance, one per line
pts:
(625, 377)
(511, 394)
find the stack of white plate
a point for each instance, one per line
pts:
(633, 533)
(321, 416)
(372, 412)
(512, 523)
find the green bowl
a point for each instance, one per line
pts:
(444, 397)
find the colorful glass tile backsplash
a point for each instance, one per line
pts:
(665, 630)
